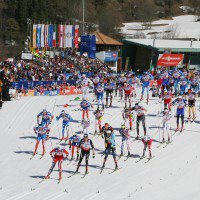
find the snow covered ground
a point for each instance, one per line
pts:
(173, 173)
(185, 27)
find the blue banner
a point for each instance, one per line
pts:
(111, 56)
(88, 45)
(50, 35)
(39, 35)
(92, 50)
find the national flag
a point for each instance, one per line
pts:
(76, 32)
(60, 33)
(46, 36)
(34, 36)
(54, 36)
(42, 35)
(69, 36)
(50, 35)
(39, 35)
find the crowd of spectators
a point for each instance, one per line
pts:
(61, 68)
(46, 69)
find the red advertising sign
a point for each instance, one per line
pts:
(170, 60)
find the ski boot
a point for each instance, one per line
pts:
(177, 129)
(150, 156)
(116, 166)
(163, 141)
(86, 169)
(129, 154)
(47, 177)
(77, 168)
(182, 128)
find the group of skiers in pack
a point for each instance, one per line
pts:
(173, 87)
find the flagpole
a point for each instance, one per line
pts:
(83, 16)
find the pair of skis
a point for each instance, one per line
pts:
(75, 173)
(35, 155)
(114, 170)
(143, 157)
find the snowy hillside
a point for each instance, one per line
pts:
(182, 27)
(173, 173)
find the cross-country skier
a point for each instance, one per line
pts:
(165, 81)
(127, 115)
(58, 155)
(194, 84)
(65, 123)
(180, 112)
(98, 119)
(100, 94)
(74, 143)
(85, 105)
(85, 145)
(96, 81)
(191, 104)
(166, 124)
(42, 133)
(176, 75)
(145, 84)
(140, 112)
(124, 131)
(85, 83)
(110, 146)
(167, 97)
(85, 125)
(128, 90)
(183, 85)
(147, 141)
(109, 87)
(46, 118)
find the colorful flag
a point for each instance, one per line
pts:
(39, 35)
(76, 32)
(42, 35)
(73, 33)
(46, 36)
(50, 35)
(54, 36)
(64, 35)
(34, 35)
(61, 33)
(69, 36)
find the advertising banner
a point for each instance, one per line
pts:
(168, 60)
(111, 56)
